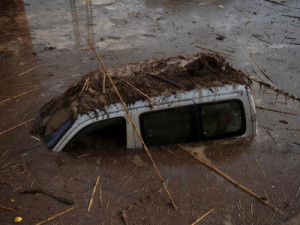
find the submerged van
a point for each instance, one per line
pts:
(186, 111)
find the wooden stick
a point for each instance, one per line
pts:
(260, 77)
(259, 38)
(202, 217)
(85, 86)
(292, 16)
(270, 135)
(142, 93)
(103, 81)
(92, 195)
(210, 67)
(133, 124)
(100, 196)
(273, 110)
(35, 138)
(14, 127)
(55, 216)
(294, 197)
(232, 180)
(7, 208)
(208, 49)
(17, 85)
(27, 71)
(274, 88)
(17, 96)
(124, 216)
(267, 76)
(262, 170)
(277, 3)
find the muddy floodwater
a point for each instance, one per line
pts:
(44, 49)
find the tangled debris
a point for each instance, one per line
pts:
(153, 77)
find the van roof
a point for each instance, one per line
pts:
(160, 77)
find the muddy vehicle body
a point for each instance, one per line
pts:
(180, 118)
(199, 97)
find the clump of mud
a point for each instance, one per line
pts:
(153, 77)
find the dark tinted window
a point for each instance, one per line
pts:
(222, 118)
(106, 134)
(169, 126)
(193, 123)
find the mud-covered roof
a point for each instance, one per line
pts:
(153, 77)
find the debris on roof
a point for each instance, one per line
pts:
(153, 77)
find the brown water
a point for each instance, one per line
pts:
(52, 34)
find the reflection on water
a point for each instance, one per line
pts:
(62, 24)
(222, 150)
(14, 26)
(75, 20)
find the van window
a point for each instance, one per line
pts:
(100, 135)
(169, 126)
(221, 118)
(193, 123)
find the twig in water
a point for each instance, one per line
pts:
(17, 96)
(124, 217)
(270, 135)
(295, 196)
(55, 216)
(27, 71)
(267, 76)
(262, 170)
(202, 217)
(259, 38)
(14, 127)
(17, 85)
(292, 16)
(277, 3)
(100, 195)
(35, 138)
(232, 180)
(142, 93)
(74, 68)
(92, 195)
(7, 208)
(208, 49)
(49, 194)
(260, 77)
(134, 126)
(273, 110)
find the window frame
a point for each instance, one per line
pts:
(242, 129)
(141, 116)
(96, 126)
(195, 111)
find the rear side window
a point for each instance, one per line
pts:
(169, 126)
(222, 118)
(193, 123)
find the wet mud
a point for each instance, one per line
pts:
(53, 35)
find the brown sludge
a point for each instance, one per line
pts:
(188, 72)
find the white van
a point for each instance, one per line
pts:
(185, 116)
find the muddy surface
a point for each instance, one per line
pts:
(52, 35)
